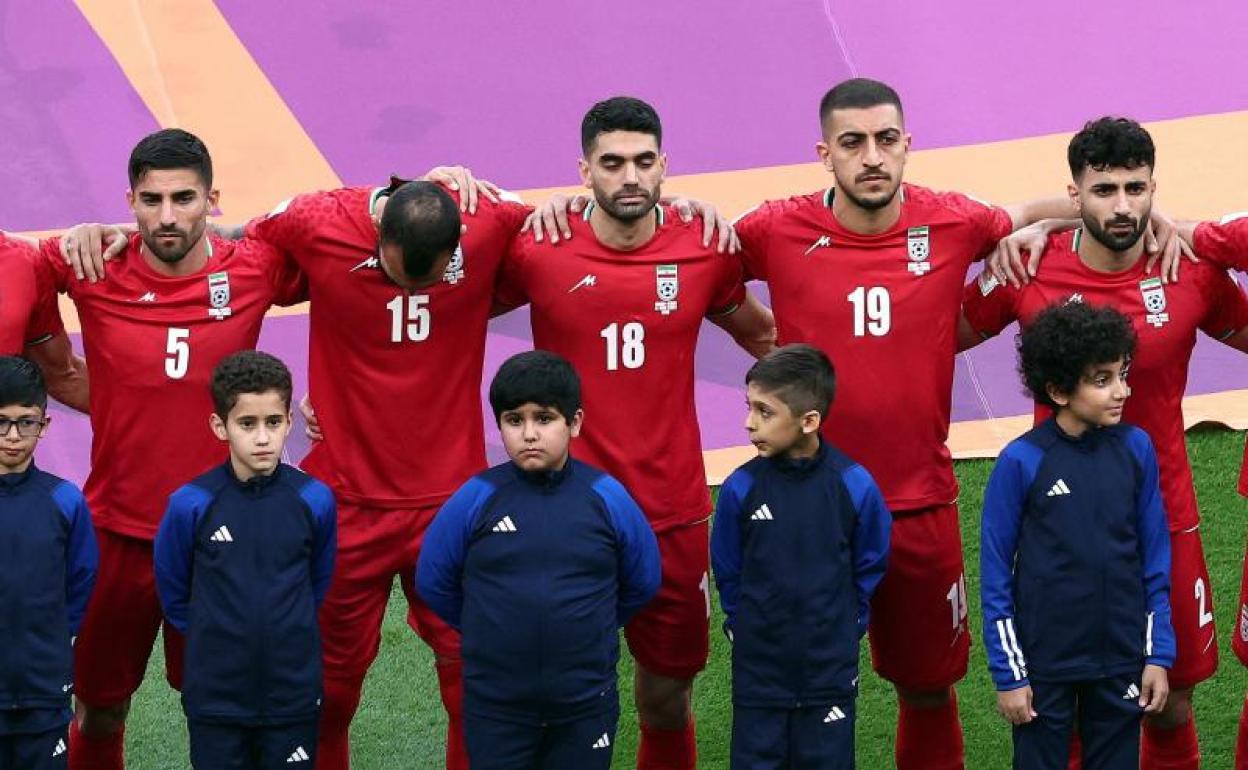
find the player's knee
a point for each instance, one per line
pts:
(102, 721)
(925, 699)
(1178, 711)
(662, 702)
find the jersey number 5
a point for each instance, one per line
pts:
(873, 312)
(177, 353)
(410, 319)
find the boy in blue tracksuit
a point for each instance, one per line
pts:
(243, 557)
(48, 561)
(1075, 554)
(799, 543)
(539, 562)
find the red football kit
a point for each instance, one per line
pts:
(628, 321)
(151, 343)
(394, 378)
(1166, 319)
(28, 312)
(884, 307)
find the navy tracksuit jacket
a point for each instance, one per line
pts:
(798, 547)
(48, 562)
(241, 568)
(1075, 558)
(539, 571)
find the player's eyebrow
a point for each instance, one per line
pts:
(612, 157)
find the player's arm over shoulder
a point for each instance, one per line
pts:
(1223, 242)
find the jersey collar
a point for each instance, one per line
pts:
(659, 216)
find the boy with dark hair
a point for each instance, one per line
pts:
(50, 561)
(243, 558)
(799, 544)
(1075, 554)
(539, 562)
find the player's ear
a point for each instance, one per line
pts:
(1057, 395)
(130, 199)
(1073, 191)
(574, 424)
(213, 197)
(47, 420)
(582, 165)
(825, 154)
(218, 426)
(811, 422)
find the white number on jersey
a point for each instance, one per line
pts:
(872, 311)
(409, 318)
(957, 601)
(1202, 599)
(178, 348)
(625, 345)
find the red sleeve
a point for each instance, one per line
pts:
(52, 273)
(1226, 307)
(35, 289)
(729, 285)
(989, 306)
(509, 289)
(1224, 243)
(291, 224)
(290, 285)
(989, 223)
(754, 231)
(45, 317)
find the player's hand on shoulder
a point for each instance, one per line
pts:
(1007, 264)
(551, 217)
(470, 188)
(86, 247)
(1015, 705)
(1163, 244)
(312, 426)
(1154, 689)
(712, 222)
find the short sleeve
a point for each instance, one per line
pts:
(989, 306)
(729, 285)
(754, 231)
(1224, 242)
(1226, 307)
(987, 223)
(290, 225)
(51, 271)
(509, 288)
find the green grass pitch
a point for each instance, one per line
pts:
(400, 723)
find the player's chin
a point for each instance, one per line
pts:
(1111, 417)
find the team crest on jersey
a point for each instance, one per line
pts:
(919, 249)
(1154, 301)
(666, 284)
(455, 268)
(219, 295)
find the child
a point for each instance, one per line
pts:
(49, 558)
(538, 562)
(243, 559)
(1076, 555)
(799, 543)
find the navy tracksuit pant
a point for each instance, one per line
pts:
(1107, 712)
(583, 744)
(47, 750)
(247, 747)
(806, 738)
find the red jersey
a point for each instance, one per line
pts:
(1226, 243)
(28, 312)
(1166, 318)
(628, 321)
(151, 343)
(394, 376)
(885, 309)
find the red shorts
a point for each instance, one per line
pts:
(1191, 612)
(919, 635)
(123, 616)
(375, 545)
(671, 635)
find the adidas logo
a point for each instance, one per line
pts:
(603, 742)
(762, 514)
(298, 755)
(222, 535)
(148, 297)
(835, 715)
(1059, 488)
(1133, 692)
(504, 524)
(60, 749)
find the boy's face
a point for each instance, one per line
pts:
(256, 428)
(1098, 399)
(22, 427)
(536, 437)
(774, 429)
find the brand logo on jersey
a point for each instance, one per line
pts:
(987, 282)
(1073, 298)
(222, 535)
(1132, 692)
(1059, 488)
(762, 514)
(147, 297)
(1154, 301)
(504, 524)
(822, 242)
(219, 295)
(371, 264)
(454, 272)
(667, 284)
(61, 748)
(834, 715)
(298, 755)
(603, 742)
(919, 249)
(588, 280)
(1243, 623)
(67, 687)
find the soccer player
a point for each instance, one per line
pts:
(1075, 556)
(178, 302)
(243, 559)
(624, 302)
(799, 544)
(539, 561)
(1111, 162)
(30, 325)
(45, 581)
